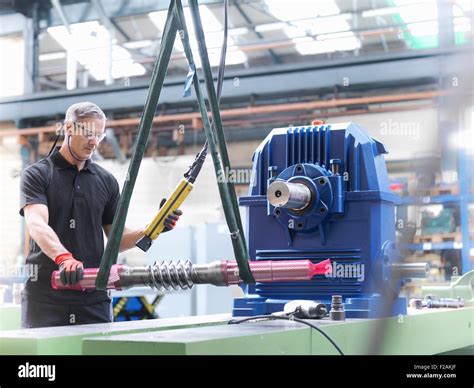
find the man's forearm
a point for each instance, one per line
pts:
(46, 239)
(129, 238)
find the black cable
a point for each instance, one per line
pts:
(54, 144)
(235, 321)
(195, 168)
(72, 152)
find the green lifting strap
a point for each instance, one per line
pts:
(159, 71)
(214, 134)
(228, 197)
(226, 189)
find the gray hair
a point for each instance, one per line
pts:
(84, 110)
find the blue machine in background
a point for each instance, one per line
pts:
(323, 192)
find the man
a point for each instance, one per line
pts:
(68, 202)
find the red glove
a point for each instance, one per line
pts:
(70, 269)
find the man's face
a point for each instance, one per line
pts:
(87, 133)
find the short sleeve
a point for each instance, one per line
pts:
(112, 203)
(32, 187)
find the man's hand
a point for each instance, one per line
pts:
(172, 219)
(70, 269)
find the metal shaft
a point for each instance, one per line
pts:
(289, 195)
(410, 270)
(184, 274)
(445, 303)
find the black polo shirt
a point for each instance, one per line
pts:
(79, 204)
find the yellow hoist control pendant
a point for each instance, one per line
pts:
(157, 226)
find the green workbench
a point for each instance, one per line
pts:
(10, 316)
(427, 331)
(67, 340)
(420, 332)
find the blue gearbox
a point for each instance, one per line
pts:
(322, 192)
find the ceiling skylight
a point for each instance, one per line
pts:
(213, 34)
(313, 35)
(90, 42)
(461, 22)
(421, 17)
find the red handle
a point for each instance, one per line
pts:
(88, 281)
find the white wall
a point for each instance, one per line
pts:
(157, 179)
(10, 227)
(406, 135)
(12, 66)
